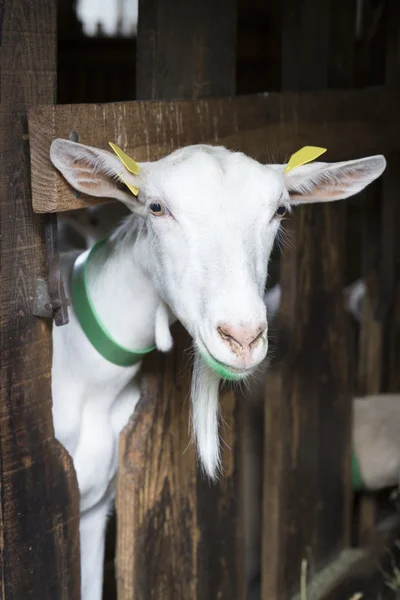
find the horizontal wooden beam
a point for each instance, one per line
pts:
(350, 124)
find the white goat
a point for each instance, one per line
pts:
(81, 229)
(196, 249)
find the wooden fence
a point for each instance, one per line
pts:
(179, 537)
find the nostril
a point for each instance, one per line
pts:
(242, 336)
(227, 336)
(257, 338)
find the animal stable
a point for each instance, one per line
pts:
(130, 467)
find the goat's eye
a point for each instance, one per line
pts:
(157, 209)
(281, 211)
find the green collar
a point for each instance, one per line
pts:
(221, 370)
(90, 321)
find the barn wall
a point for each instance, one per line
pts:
(39, 555)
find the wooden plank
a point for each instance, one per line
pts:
(305, 59)
(350, 123)
(380, 327)
(392, 71)
(305, 494)
(179, 536)
(39, 500)
(156, 499)
(186, 49)
(308, 410)
(390, 253)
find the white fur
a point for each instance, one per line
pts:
(205, 411)
(355, 294)
(164, 341)
(206, 260)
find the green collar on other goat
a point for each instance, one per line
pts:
(90, 321)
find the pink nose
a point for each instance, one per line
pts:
(241, 338)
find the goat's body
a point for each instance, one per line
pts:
(208, 221)
(92, 402)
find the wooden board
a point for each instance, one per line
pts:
(349, 123)
(307, 489)
(179, 537)
(380, 328)
(39, 500)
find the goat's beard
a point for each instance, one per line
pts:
(205, 416)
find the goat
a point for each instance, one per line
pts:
(195, 249)
(375, 435)
(82, 228)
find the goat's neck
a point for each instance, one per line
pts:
(123, 295)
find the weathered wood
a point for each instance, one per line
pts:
(306, 469)
(156, 500)
(305, 54)
(350, 123)
(178, 536)
(308, 411)
(161, 524)
(390, 252)
(380, 327)
(39, 541)
(369, 376)
(186, 49)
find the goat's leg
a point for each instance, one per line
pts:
(92, 537)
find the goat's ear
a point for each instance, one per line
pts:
(324, 182)
(95, 172)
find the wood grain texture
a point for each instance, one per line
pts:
(172, 543)
(186, 49)
(308, 410)
(306, 497)
(179, 536)
(39, 543)
(348, 123)
(390, 252)
(380, 328)
(156, 500)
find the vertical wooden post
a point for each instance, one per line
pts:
(390, 253)
(39, 501)
(179, 537)
(308, 411)
(380, 327)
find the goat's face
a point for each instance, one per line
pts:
(211, 218)
(211, 227)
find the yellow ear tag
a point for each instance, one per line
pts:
(130, 164)
(134, 190)
(303, 156)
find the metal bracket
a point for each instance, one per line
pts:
(41, 299)
(50, 300)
